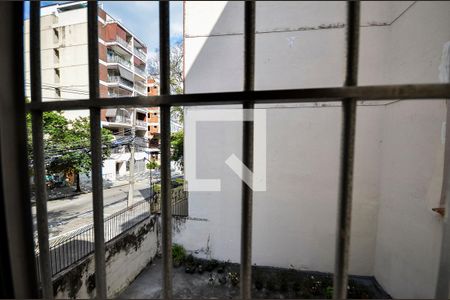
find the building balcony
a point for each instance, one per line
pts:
(140, 72)
(120, 46)
(119, 119)
(116, 95)
(123, 42)
(141, 55)
(114, 79)
(119, 60)
(140, 88)
(141, 123)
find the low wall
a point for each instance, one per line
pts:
(126, 256)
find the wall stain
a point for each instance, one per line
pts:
(72, 281)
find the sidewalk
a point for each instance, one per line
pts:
(69, 191)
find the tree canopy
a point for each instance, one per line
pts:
(176, 143)
(67, 144)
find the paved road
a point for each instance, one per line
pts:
(68, 214)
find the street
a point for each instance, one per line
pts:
(69, 214)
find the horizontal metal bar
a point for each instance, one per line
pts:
(381, 92)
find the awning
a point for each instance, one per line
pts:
(111, 112)
(140, 155)
(126, 73)
(120, 156)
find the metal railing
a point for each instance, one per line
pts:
(179, 203)
(118, 79)
(118, 59)
(72, 247)
(139, 54)
(140, 72)
(140, 88)
(120, 119)
(115, 95)
(141, 123)
(123, 43)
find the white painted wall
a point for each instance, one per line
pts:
(409, 233)
(73, 57)
(399, 154)
(123, 267)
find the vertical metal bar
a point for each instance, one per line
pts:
(96, 148)
(14, 158)
(443, 279)
(38, 152)
(247, 152)
(347, 156)
(166, 207)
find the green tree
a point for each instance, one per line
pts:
(54, 129)
(176, 143)
(67, 144)
(152, 164)
(176, 75)
(74, 156)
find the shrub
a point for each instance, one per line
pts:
(178, 254)
(157, 188)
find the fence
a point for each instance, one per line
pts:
(70, 248)
(180, 202)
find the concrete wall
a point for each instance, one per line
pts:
(409, 233)
(126, 256)
(399, 148)
(72, 64)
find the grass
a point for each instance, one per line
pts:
(178, 254)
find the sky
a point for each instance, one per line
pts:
(141, 18)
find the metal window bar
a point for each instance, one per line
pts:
(15, 195)
(96, 156)
(348, 95)
(347, 157)
(45, 272)
(247, 152)
(166, 182)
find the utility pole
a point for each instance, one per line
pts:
(132, 150)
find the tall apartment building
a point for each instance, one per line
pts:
(122, 64)
(153, 132)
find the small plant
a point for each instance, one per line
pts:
(191, 264)
(234, 278)
(270, 285)
(178, 254)
(329, 292)
(151, 165)
(259, 280)
(157, 188)
(211, 265)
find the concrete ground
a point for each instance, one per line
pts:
(268, 283)
(185, 286)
